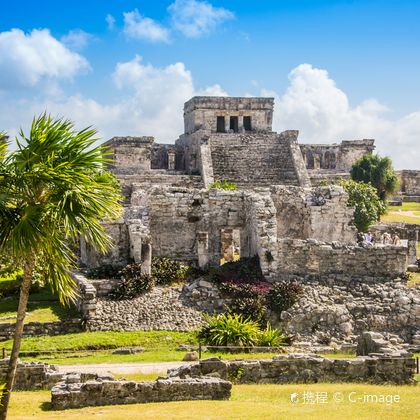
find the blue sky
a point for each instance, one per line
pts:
(337, 69)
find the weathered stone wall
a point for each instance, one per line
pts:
(311, 257)
(409, 182)
(162, 308)
(337, 309)
(338, 157)
(313, 213)
(405, 231)
(177, 216)
(31, 376)
(130, 154)
(31, 329)
(106, 392)
(201, 112)
(260, 159)
(86, 299)
(118, 254)
(299, 368)
(326, 177)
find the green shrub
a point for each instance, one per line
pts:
(105, 271)
(167, 271)
(132, 284)
(229, 330)
(368, 207)
(284, 295)
(272, 337)
(223, 184)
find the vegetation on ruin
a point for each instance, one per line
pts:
(247, 402)
(223, 184)
(232, 329)
(133, 283)
(283, 295)
(368, 207)
(250, 295)
(167, 271)
(53, 189)
(377, 171)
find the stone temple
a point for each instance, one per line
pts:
(278, 212)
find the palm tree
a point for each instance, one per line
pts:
(53, 189)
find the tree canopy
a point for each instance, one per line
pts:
(378, 171)
(368, 207)
(53, 189)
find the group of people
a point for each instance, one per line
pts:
(385, 239)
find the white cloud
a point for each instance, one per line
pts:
(29, 59)
(76, 39)
(196, 18)
(152, 103)
(152, 98)
(110, 21)
(315, 106)
(137, 26)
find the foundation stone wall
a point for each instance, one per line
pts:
(316, 258)
(300, 368)
(31, 376)
(107, 392)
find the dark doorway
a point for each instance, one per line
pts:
(221, 127)
(234, 124)
(247, 124)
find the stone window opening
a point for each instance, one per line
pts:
(230, 245)
(221, 125)
(234, 126)
(247, 123)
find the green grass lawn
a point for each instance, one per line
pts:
(43, 306)
(96, 347)
(414, 280)
(414, 207)
(247, 402)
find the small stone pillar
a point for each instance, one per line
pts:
(171, 160)
(146, 263)
(203, 249)
(135, 234)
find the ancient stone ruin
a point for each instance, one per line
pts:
(297, 228)
(275, 213)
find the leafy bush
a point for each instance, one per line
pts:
(272, 337)
(284, 295)
(242, 282)
(228, 330)
(133, 283)
(378, 172)
(167, 271)
(224, 184)
(105, 271)
(368, 207)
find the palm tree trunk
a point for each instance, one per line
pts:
(23, 301)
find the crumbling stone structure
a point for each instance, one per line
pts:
(31, 376)
(304, 368)
(72, 393)
(171, 212)
(409, 185)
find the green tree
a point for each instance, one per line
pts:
(53, 189)
(377, 171)
(368, 207)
